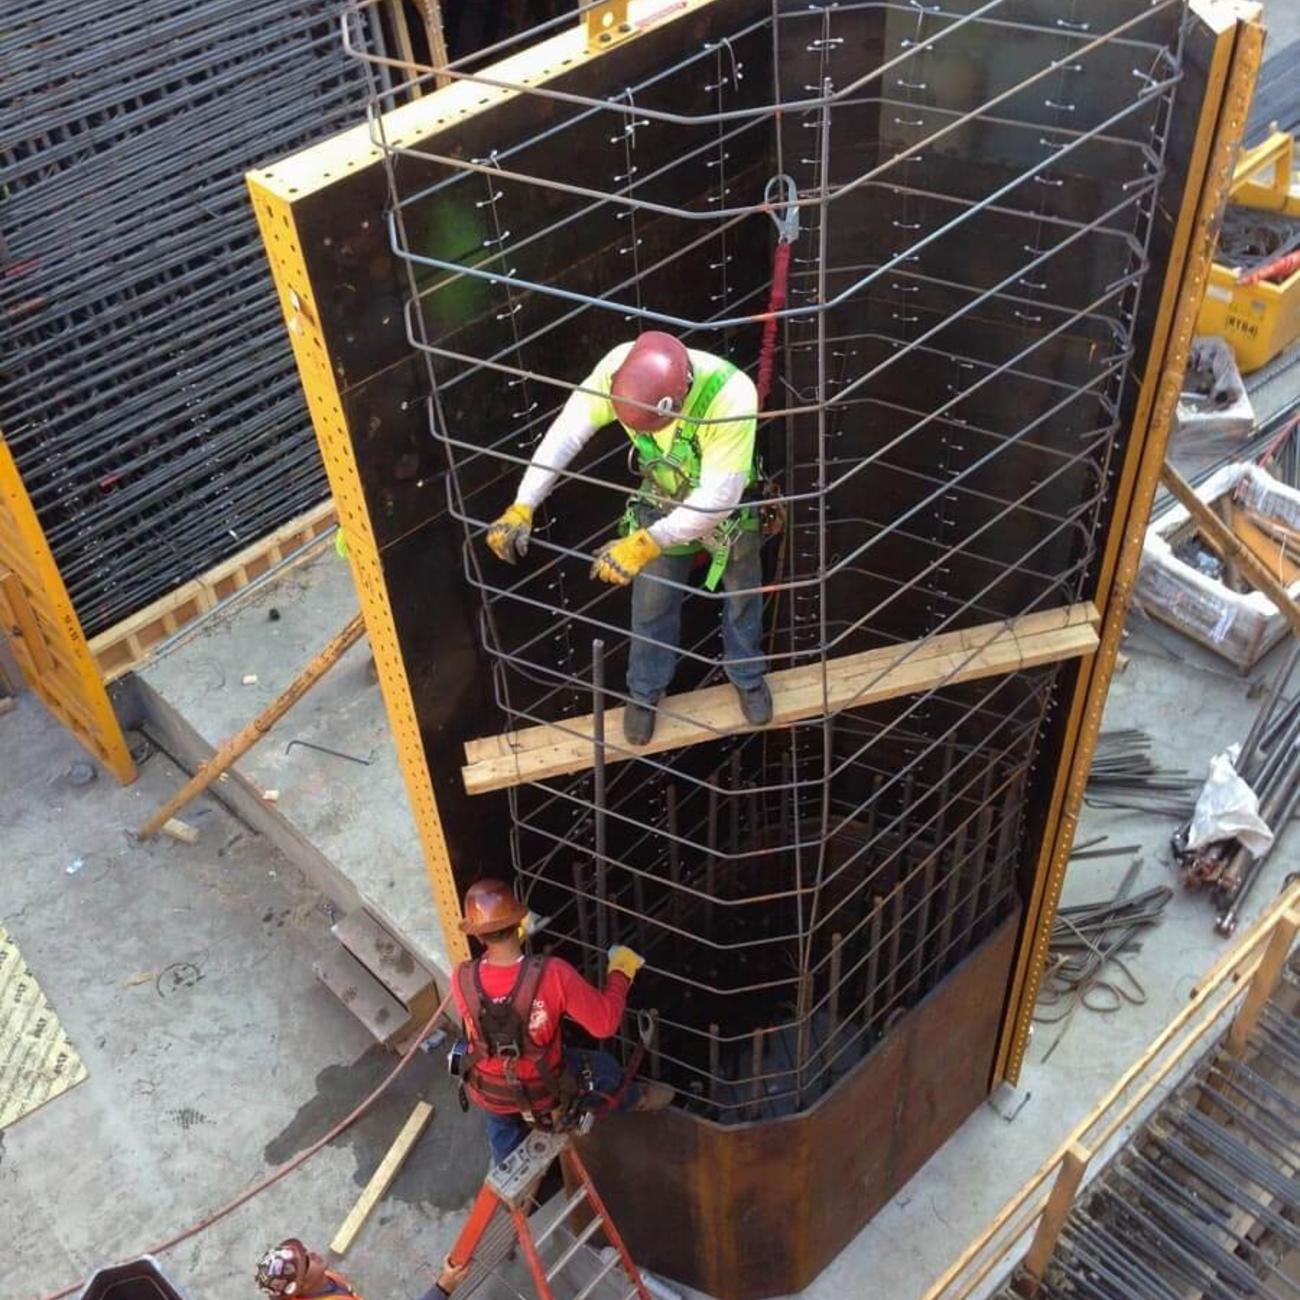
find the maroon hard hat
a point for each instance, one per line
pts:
(648, 389)
(491, 905)
(284, 1268)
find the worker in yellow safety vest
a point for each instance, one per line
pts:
(691, 418)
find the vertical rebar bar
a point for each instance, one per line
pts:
(598, 789)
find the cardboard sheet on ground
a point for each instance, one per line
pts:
(37, 1062)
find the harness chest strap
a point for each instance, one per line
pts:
(682, 461)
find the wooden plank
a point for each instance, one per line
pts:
(1276, 554)
(1059, 1201)
(1264, 980)
(127, 644)
(181, 831)
(855, 681)
(382, 1178)
(510, 744)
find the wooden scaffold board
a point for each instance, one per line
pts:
(852, 682)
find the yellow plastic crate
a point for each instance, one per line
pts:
(1258, 320)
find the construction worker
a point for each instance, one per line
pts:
(691, 419)
(513, 1062)
(290, 1269)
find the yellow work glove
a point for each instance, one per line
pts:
(532, 924)
(620, 561)
(508, 537)
(624, 961)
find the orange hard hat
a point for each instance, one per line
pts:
(491, 905)
(649, 388)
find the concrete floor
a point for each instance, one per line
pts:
(202, 1084)
(354, 815)
(184, 977)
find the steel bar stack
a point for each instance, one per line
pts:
(148, 393)
(1203, 1200)
(1269, 763)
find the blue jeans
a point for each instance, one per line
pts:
(505, 1132)
(657, 618)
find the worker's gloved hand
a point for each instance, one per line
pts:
(531, 924)
(508, 537)
(624, 961)
(620, 561)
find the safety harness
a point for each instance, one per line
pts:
(498, 1031)
(668, 476)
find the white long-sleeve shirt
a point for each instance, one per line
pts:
(726, 446)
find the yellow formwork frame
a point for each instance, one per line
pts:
(1234, 66)
(37, 617)
(276, 220)
(274, 192)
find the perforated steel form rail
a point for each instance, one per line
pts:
(147, 394)
(976, 184)
(975, 189)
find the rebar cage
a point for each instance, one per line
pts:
(975, 191)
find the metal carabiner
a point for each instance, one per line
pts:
(782, 188)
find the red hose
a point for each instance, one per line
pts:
(767, 352)
(300, 1159)
(1278, 269)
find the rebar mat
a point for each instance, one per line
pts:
(148, 392)
(1203, 1200)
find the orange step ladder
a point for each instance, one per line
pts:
(508, 1189)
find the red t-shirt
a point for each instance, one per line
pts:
(560, 992)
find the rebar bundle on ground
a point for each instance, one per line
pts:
(1269, 763)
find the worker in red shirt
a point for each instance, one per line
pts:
(516, 1068)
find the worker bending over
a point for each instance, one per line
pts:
(691, 419)
(290, 1269)
(513, 1062)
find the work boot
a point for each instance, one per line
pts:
(638, 723)
(756, 704)
(654, 1096)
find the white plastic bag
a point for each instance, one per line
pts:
(1227, 808)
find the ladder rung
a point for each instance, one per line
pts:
(600, 1277)
(577, 1244)
(572, 1204)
